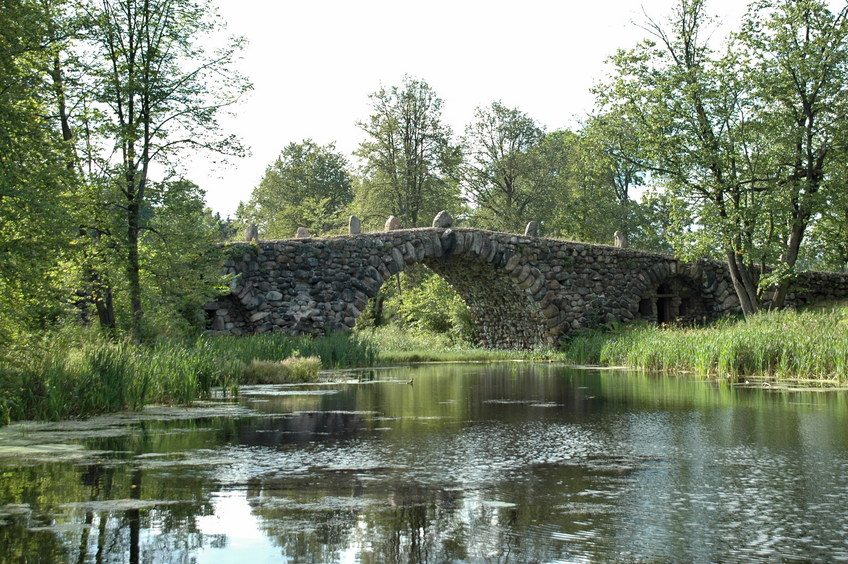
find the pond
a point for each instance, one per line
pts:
(509, 462)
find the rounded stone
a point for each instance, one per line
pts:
(443, 220)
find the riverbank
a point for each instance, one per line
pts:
(783, 345)
(80, 373)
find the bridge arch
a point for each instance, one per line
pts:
(505, 297)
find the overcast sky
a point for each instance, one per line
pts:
(314, 62)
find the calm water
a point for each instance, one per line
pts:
(477, 463)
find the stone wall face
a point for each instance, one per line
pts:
(522, 291)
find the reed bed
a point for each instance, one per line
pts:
(782, 345)
(292, 370)
(82, 373)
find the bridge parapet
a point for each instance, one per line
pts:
(522, 291)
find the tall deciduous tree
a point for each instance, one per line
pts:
(695, 121)
(156, 91)
(747, 142)
(503, 178)
(34, 182)
(797, 63)
(409, 159)
(307, 185)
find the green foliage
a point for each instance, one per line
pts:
(409, 160)
(307, 186)
(743, 140)
(34, 179)
(502, 176)
(180, 265)
(433, 306)
(419, 300)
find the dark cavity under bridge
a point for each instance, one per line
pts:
(522, 291)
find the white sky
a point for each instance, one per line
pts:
(314, 62)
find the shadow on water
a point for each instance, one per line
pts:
(480, 463)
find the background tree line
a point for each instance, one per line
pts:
(733, 151)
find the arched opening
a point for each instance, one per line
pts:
(419, 300)
(500, 313)
(674, 300)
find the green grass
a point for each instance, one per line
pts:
(781, 345)
(398, 346)
(77, 372)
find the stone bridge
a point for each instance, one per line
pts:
(522, 291)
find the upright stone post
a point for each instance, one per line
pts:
(251, 233)
(392, 223)
(302, 233)
(532, 229)
(354, 226)
(620, 240)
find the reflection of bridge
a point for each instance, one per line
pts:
(522, 291)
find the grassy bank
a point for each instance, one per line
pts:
(76, 374)
(781, 345)
(396, 346)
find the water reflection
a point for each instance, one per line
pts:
(479, 463)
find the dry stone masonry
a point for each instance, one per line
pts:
(522, 291)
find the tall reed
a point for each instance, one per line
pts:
(78, 373)
(783, 344)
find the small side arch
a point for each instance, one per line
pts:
(674, 296)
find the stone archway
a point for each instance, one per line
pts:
(504, 296)
(675, 297)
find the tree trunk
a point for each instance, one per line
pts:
(742, 283)
(790, 258)
(134, 268)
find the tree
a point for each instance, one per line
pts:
(409, 161)
(34, 183)
(154, 91)
(693, 115)
(798, 66)
(307, 185)
(179, 265)
(613, 148)
(502, 178)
